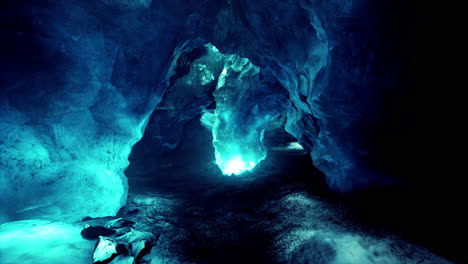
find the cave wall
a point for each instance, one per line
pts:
(79, 81)
(343, 65)
(81, 78)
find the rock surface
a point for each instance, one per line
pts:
(105, 251)
(140, 248)
(119, 223)
(118, 240)
(123, 259)
(94, 232)
(136, 236)
(287, 225)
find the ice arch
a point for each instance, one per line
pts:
(244, 108)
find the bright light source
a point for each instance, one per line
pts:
(237, 123)
(237, 166)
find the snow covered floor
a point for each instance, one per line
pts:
(285, 226)
(294, 228)
(43, 242)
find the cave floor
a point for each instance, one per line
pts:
(288, 217)
(268, 220)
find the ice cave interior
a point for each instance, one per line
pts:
(220, 131)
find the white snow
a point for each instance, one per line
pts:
(43, 242)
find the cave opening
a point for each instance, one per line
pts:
(233, 131)
(176, 160)
(178, 150)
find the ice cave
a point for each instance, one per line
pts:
(223, 131)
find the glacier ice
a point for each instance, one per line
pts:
(88, 92)
(43, 242)
(238, 147)
(74, 119)
(318, 51)
(68, 125)
(80, 79)
(243, 111)
(232, 95)
(105, 251)
(128, 4)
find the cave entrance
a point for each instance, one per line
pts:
(215, 120)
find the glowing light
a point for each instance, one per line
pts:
(295, 146)
(235, 166)
(237, 124)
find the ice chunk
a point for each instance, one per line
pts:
(105, 251)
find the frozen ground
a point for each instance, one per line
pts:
(223, 225)
(43, 242)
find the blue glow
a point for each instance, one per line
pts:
(238, 122)
(235, 166)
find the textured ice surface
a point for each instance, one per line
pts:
(123, 259)
(128, 4)
(202, 78)
(71, 112)
(43, 242)
(106, 250)
(243, 111)
(299, 229)
(333, 58)
(82, 78)
(315, 232)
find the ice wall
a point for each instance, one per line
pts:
(244, 108)
(231, 98)
(81, 82)
(340, 62)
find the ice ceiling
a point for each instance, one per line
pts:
(83, 78)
